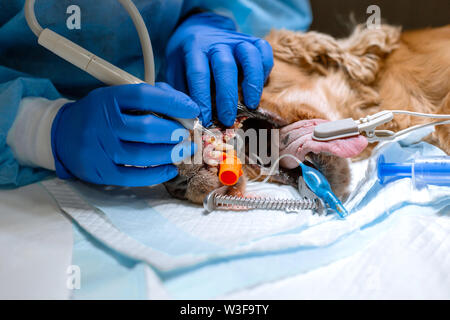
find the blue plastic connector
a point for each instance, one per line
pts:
(422, 170)
(318, 184)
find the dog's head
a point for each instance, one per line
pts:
(314, 77)
(254, 133)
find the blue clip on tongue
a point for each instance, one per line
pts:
(318, 184)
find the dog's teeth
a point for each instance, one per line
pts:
(215, 154)
(223, 146)
(229, 134)
(228, 146)
(212, 162)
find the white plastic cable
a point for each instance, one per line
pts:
(31, 18)
(274, 166)
(423, 115)
(419, 126)
(144, 37)
(420, 114)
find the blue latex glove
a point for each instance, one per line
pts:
(94, 138)
(208, 40)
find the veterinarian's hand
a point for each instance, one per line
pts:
(96, 139)
(209, 40)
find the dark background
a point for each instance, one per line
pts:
(334, 16)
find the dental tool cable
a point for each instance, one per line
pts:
(98, 67)
(144, 38)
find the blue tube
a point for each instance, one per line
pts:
(318, 184)
(423, 171)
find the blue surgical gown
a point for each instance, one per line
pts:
(28, 70)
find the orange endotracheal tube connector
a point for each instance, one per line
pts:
(230, 169)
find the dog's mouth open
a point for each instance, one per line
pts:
(197, 180)
(219, 142)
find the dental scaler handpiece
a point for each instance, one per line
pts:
(99, 68)
(423, 171)
(94, 65)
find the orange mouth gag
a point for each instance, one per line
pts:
(219, 153)
(230, 169)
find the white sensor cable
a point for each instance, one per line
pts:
(420, 114)
(445, 117)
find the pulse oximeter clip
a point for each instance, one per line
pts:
(366, 126)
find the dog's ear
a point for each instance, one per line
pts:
(364, 50)
(311, 50)
(359, 54)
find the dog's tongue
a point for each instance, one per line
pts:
(296, 139)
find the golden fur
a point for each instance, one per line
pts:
(317, 76)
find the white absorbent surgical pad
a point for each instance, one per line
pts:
(198, 255)
(407, 259)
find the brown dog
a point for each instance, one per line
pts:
(318, 77)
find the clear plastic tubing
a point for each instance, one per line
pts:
(423, 171)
